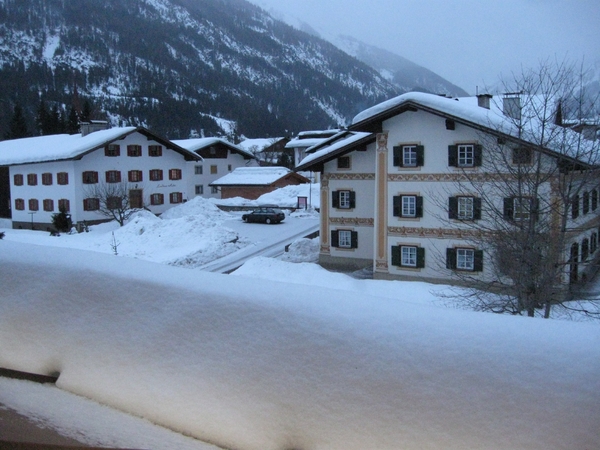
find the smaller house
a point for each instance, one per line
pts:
(269, 151)
(219, 157)
(307, 139)
(252, 182)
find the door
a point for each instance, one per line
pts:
(136, 198)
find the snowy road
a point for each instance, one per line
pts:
(267, 240)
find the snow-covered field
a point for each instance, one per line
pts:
(279, 355)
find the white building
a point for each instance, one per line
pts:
(401, 190)
(217, 158)
(48, 172)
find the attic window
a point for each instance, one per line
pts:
(212, 150)
(343, 162)
(450, 125)
(522, 155)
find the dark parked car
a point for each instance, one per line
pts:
(266, 215)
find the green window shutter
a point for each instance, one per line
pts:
(420, 155)
(396, 258)
(397, 206)
(398, 156)
(453, 155)
(478, 261)
(477, 155)
(352, 199)
(476, 208)
(419, 207)
(508, 208)
(335, 199)
(535, 209)
(451, 258)
(420, 257)
(354, 239)
(452, 208)
(335, 241)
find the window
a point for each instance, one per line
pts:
(199, 189)
(464, 208)
(229, 167)
(19, 204)
(198, 170)
(157, 199)
(520, 208)
(90, 177)
(175, 197)
(575, 207)
(214, 190)
(34, 204)
(464, 155)
(91, 204)
(112, 150)
(32, 179)
(18, 179)
(343, 162)
(410, 206)
(113, 176)
(343, 199)
(585, 249)
(593, 243)
(134, 150)
(62, 178)
(156, 175)
(344, 239)
(213, 170)
(155, 150)
(466, 259)
(408, 256)
(594, 199)
(48, 205)
(134, 176)
(114, 203)
(409, 155)
(47, 179)
(522, 155)
(586, 202)
(64, 205)
(174, 174)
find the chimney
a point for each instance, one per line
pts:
(511, 105)
(92, 125)
(483, 100)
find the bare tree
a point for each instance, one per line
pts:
(114, 200)
(538, 188)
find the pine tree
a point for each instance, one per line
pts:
(72, 126)
(18, 124)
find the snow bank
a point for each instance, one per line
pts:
(269, 365)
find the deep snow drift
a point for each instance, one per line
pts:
(268, 365)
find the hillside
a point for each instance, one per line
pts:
(178, 66)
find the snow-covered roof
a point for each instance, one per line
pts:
(467, 111)
(258, 176)
(56, 147)
(59, 147)
(331, 146)
(258, 143)
(196, 144)
(305, 143)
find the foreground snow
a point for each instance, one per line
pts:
(271, 365)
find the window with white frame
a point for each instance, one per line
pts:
(409, 206)
(466, 155)
(199, 189)
(522, 208)
(409, 155)
(198, 170)
(465, 208)
(408, 256)
(345, 238)
(344, 199)
(465, 259)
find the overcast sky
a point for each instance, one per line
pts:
(469, 42)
